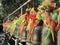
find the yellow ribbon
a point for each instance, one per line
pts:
(51, 29)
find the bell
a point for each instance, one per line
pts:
(36, 36)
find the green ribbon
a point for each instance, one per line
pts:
(42, 16)
(47, 37)
(12, 28)
(38, 17)
(55, 17)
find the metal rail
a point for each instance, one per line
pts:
(17, 9)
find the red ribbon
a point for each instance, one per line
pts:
(56, 26)
(32, 16)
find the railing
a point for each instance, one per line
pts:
(21, 7)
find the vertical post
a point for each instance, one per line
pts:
(15, 41)
(21, 10)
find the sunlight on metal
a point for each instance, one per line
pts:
(0, 4)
